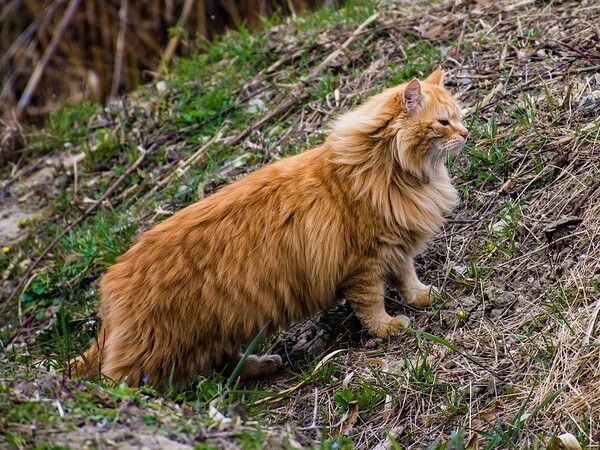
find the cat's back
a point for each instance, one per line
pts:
(284, 218)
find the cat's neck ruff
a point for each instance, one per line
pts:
(422, 206)
(399, 196)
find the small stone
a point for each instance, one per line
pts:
(161, 86)
(70, 160)
(460, 269)
(589, 104)
(255, 105)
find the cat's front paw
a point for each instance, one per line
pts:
(420, 296)
(391, 327)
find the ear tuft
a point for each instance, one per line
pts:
(412, 95)
(436, 77)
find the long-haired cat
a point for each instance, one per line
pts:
(281, 244)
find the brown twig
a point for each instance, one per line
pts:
(584, 199)
(290, 100)
(39, 69)
(184, 166)
(346, 43)
(14, 64)
(8, 9)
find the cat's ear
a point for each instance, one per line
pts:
(412, 95)
(436, 77)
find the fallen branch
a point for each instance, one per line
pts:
(183, 167)
(585, 198)
(284, 106)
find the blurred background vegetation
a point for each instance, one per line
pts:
(53, 51)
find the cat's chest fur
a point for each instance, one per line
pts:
(412, 219)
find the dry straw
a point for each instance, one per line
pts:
(57, 50)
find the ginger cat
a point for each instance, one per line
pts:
(281, 244)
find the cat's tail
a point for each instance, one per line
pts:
(87, 365)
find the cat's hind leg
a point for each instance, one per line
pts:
(256, 366)
(365, 292)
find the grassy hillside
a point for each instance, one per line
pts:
(507, 357)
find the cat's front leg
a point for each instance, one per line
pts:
(408, 284)
(365, 293)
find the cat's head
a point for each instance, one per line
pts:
(419, 122)
(428, 118)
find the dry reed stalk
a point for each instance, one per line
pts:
(101, 47)
(116, 78)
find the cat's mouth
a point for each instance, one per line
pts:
(451, 147)
(455, 147)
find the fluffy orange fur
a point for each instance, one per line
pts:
(281, 244)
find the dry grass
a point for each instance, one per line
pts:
(509, 354)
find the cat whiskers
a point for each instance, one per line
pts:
(444, 150)
(452, 146)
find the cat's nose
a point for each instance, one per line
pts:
(463, 132)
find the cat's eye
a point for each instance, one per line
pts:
(443, 122)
